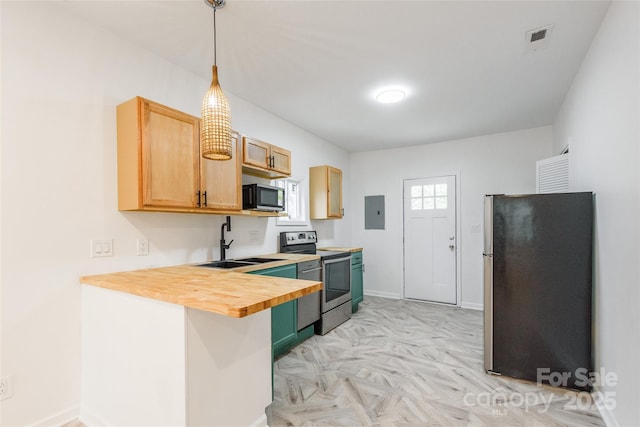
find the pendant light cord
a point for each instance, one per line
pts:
(214, 36)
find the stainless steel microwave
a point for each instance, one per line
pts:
(262, 197)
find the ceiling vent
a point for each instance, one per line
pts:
(538, 38)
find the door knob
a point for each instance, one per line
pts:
(451, 247)
(452, 237)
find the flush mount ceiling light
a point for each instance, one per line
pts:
(390, 96)
(215, 126)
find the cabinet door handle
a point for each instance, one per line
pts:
(198, 196)
(205, 199)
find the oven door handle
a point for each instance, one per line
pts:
(311, 270)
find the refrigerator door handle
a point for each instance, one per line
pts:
(488, 224)
(488, 312)
(488, 283)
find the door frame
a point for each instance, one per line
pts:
(455, 174)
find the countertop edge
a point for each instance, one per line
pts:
(198, 287)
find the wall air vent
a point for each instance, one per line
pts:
(538, 38)
(552, 175)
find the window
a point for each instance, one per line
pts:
(295, 206)
(427, 197)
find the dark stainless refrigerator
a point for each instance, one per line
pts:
(538, 287)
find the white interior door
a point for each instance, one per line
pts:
(430, 239)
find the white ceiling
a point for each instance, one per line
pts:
(315, 63)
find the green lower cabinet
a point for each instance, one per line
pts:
(284, 332)
(356, 281)
(284, 317)
(283, 327)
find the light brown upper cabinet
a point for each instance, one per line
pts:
(221, 181)
(325, 192)
(263, 159)
(160, 167)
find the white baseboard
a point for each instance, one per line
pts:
(472, 305)
(606, 414)
(382, 294)
(260, 422)
(61, 418)
(90, 419)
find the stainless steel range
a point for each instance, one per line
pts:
(335, 297)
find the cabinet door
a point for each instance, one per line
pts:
(281, 160)
(170, 151)
(356, 280)
(284, 325)
(334, 177)
(255, 152)
(221, 180)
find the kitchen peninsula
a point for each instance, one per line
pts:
(182, 345)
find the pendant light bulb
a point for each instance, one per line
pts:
(215, 125)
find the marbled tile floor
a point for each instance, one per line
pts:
(399, 362)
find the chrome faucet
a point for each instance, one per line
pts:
(223, 245)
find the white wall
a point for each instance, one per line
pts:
(61, 81)
(600, 121)
(491, 164)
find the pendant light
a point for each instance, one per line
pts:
(215, 126)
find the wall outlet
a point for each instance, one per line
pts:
(6, 388)
(253, 235)
(101, 248)
(142, 247)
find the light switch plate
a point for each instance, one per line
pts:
(101, 248)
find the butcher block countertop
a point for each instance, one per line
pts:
(228, 292)
(340, 249)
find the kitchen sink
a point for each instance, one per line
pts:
(225, 264)
(234, 263)
(258, 260)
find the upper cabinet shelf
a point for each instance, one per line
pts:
(263, 159)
